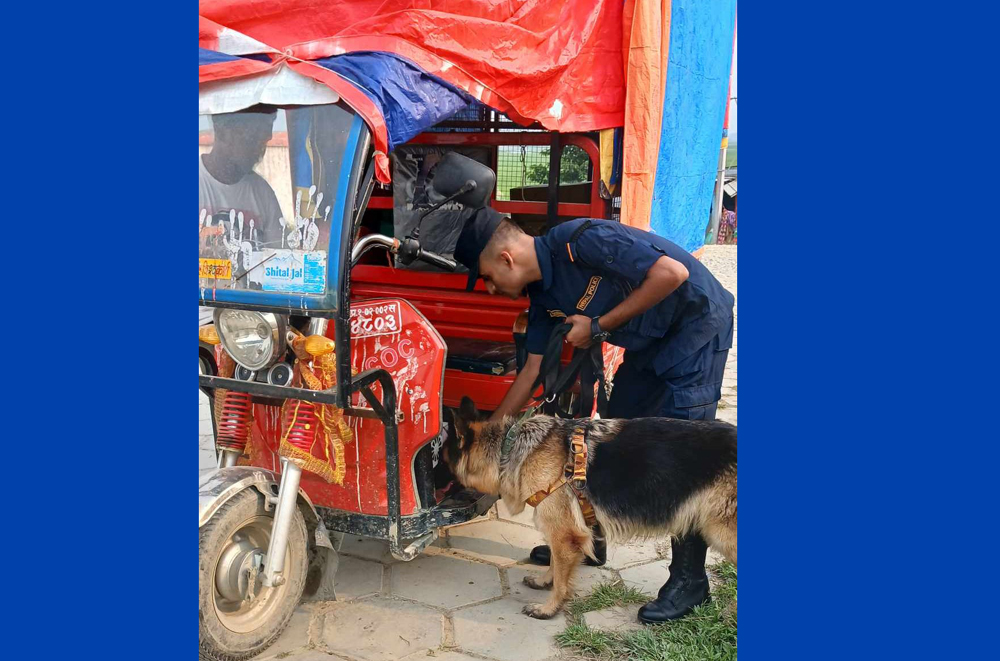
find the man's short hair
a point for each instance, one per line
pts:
(504, 233)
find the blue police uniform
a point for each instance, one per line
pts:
(675, 352)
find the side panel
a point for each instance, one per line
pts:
(389, 334)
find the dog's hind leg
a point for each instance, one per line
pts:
(567, 554)
(722, 538)
(719, 524)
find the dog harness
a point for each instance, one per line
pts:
(575, 474)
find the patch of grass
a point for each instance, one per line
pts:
(709, 633)
(606, 595)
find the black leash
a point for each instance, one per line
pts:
(588, 364)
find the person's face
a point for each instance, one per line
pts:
(503, 275)
(245, 142)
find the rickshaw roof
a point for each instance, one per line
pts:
(405, 66)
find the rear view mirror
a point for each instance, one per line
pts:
(454, 172)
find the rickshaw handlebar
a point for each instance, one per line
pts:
(437, 260)
(409, 250)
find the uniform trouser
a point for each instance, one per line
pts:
(690, 390)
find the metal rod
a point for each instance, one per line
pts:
(229, 458)
(318, 326)
(288, 493)
(555, 160)
(267, 390)
(712, 234)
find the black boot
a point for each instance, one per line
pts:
(687, 585)
(542, 555)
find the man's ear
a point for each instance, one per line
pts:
(507, 259)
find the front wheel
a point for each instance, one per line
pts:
(238, 617)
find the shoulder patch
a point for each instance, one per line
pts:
(588, 295)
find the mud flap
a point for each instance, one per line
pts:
(323, 564)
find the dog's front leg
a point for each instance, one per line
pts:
(539, 583)
(566, 557)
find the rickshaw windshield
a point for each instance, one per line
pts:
(269, 183)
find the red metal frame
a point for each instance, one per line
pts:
(575, 210)
(441, 297)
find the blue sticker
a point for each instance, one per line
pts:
(295, 271)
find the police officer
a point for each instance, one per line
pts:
(631, 288)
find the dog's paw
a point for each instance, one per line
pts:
(539, 612)
(537, 583)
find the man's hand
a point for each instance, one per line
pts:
(579, 336)
(520, 390)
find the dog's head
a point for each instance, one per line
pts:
(464, 450)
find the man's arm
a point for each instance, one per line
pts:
(520, 391)
(662, 279)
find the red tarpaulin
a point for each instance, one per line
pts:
(556, 62)
(563, 64)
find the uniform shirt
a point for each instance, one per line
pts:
(595, 272)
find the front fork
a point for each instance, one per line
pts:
(285, 503)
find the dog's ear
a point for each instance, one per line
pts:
(468, 410)
(459, 427)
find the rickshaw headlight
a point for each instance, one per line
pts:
(255, 340)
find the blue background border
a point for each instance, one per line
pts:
(868, 362)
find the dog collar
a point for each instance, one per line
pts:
(508, 439)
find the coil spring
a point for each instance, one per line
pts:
(234, 421)
(301, 423)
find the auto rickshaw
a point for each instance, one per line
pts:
(328, 376)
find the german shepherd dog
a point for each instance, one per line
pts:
(646, 477)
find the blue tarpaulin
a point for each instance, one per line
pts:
(694, 105)
(411, 100)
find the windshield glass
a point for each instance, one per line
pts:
(267, 184)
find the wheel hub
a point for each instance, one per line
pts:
(237, 577)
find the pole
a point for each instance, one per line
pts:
(712, 233)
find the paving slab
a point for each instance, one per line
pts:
(632, 553)
(439, 655)
(585, 580)
(295, 636)
(617, 618)
(499, 542)
(357, 578)
(367, 548)
(727, 415)
(307, 655)
(526, 517)
(499, 630)
(381, 629)
(446, 582)
(647, 578)
(650, 577)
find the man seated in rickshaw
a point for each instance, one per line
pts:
(228, 187)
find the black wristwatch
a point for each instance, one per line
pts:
(596, 334)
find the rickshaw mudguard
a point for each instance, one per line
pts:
(218, 486)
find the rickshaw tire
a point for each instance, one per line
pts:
(215, 642)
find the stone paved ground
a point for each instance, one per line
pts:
(461, 600)
(721, 261)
